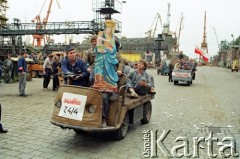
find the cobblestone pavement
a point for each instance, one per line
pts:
(210, 104)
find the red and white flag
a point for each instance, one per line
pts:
(204, 55)
(198, 51)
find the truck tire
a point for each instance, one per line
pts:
(147, 112)
(188, 83)
(122, 131)
(80, 132)
(175, 82)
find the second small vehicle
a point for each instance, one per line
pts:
(182, 75)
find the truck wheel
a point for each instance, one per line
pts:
(188, 83)
(191, 82)
(80, 132)
(175, 82)
(122, 131)
(147, 112)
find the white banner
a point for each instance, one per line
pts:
(73, 106)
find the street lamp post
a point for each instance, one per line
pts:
(159, 48)
(232, 48)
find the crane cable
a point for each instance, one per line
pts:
(42, 7)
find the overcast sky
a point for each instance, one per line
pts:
(138, 15)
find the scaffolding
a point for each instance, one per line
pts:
(9, 44)
(3, 9)
(104, 9)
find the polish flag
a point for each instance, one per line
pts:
(204, 55)
(198, 51)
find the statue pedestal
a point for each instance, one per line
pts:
(101, 85)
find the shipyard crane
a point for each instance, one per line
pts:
(177, 44)
(204, 45)
(42, 24)
(151, 32)
(166, 26)
(219, 46)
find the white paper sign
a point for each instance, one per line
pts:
(73, 106)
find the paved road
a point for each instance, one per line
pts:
(210, 104)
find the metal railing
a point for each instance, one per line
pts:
(74, 27)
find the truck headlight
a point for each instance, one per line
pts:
(92, 109)
(58, 104)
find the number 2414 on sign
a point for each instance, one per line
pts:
(70, 110)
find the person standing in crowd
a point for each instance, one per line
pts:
(0, 71)
(171, 67)
(127, 68)
(121, 64)
(55, 66)
(2, 130)
(74, 67)
(22, 73)
(89, 57)
(8, 66)
(47, 70)
(193, 66)
(149, 57)
(90, 54)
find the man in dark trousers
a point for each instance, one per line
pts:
(55, 66)
(47, 70)
(22, 73)
(8, 66)
(171, 67)
(1, 127)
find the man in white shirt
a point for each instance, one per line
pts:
(47, 70)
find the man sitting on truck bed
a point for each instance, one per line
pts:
(139, 81)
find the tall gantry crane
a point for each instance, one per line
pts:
(166, 26)
(219, 45)
(42, 24)
(204, 45)
(177, 44)
(151, 32)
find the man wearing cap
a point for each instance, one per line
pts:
(77, 67)
(47, 70)
(22, 73)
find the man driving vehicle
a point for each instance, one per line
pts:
(75, 68)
